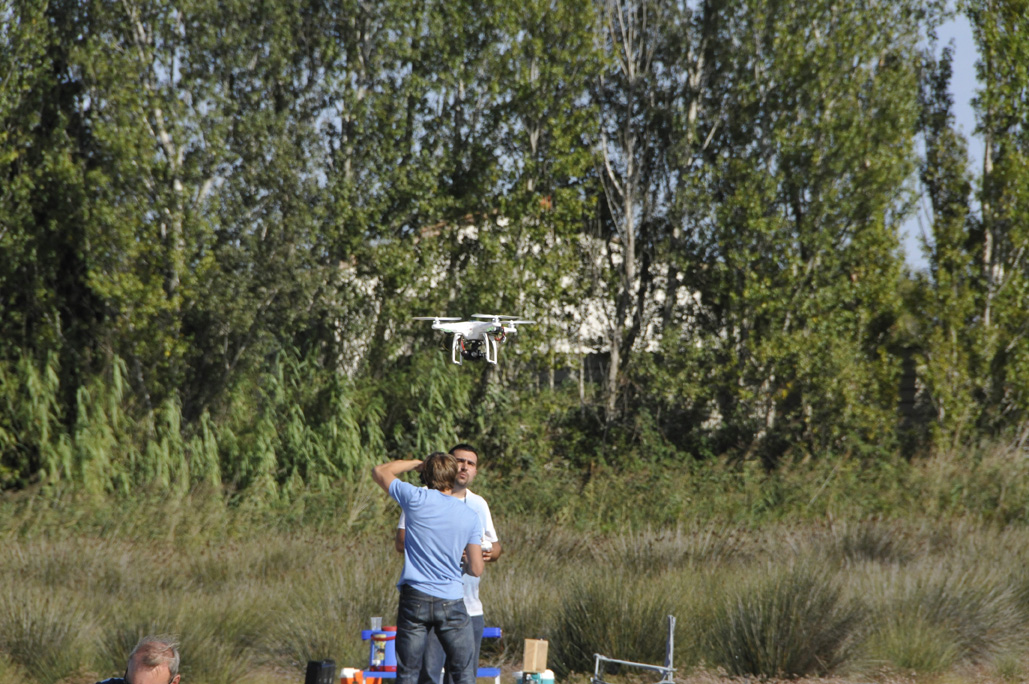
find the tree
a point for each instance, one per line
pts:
(46, 303)
(816, 142)
(209, 118)
(1001, 232)
(949, 330)
(632, 168)
(544, 191)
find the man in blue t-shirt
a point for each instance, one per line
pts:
(467, 468)
(441, 533)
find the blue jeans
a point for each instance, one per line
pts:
(419, 615)
(435, 658)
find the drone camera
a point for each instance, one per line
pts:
(471, 350)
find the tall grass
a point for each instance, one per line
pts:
(294, 429)
(288, 430)
(253, 602)
(837, 584)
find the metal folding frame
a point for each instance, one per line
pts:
(667, 671)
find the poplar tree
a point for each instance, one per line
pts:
(1001, 231)
(949, 329)
(47, 305)
(544, 191)
(631, 161)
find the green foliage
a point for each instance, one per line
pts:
(984, 479)
(952, 367)
(216, 219)
(998, 237)
(33, 444)
(800, 292)
(432, 396)
(268, 445)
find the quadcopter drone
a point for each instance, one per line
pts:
(475, 340)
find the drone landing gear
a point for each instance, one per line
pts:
(463, 348)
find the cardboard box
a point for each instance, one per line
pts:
(534, 658)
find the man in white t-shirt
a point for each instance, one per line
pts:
(434, 659)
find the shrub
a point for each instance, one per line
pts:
(45, 632)
(790, 622)
(934, 615)
(911, 643)
(611, 610)
(871, 541)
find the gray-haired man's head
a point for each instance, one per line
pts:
(154, 660)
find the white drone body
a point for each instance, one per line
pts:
(478, 340)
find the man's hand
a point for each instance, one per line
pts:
(493, 553)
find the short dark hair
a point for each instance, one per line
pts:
(464, 447)
(439, 471)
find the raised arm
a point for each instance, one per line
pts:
(385, 473)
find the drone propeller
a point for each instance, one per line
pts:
(494, 316)
(518, 322)
(434, 318)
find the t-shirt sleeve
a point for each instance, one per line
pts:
(490, 532)
(401, 491)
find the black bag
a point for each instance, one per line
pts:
(321, 672)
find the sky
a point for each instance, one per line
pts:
(963, 84)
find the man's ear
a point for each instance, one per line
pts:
(175, 679)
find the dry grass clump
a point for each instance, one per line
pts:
(612, 610)
(650, 550)
(45, 632)
(791, 620)
(875, 540)
(934, 616)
